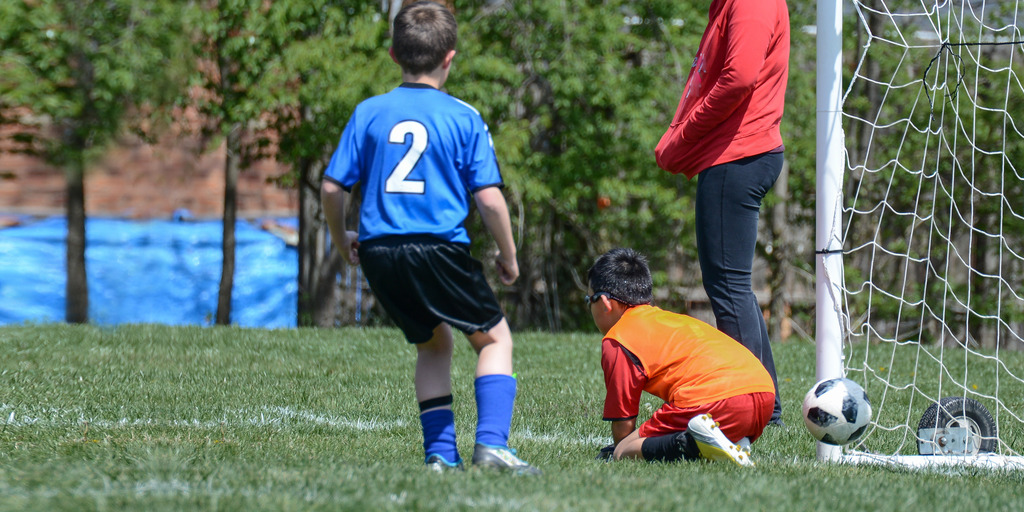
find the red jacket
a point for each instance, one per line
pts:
(733, 99)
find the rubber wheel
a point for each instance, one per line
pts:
(960, 412)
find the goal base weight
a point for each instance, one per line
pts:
(942, 441)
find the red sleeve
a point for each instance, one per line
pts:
(748, 32)
(624, 381)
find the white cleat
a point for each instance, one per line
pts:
(502, 458)
(714, 445)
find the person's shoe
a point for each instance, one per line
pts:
(744, 445)
(713, 444)
(438, 463)
(687, 446)
(499, 457)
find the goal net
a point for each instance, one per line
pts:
(930, 299)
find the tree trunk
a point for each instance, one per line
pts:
(319, 295)
(76, 140)
(227, 274)
(77, 286)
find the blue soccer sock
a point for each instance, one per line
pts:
(495, 395)
(439, 434)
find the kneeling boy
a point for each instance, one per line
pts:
(716, 392)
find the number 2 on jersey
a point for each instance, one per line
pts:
(397, 182)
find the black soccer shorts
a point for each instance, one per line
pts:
(422, 281)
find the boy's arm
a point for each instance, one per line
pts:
(624, 382)
(622, 428)
(494, 212)
(334, 199)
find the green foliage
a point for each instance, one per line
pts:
(232, 41)
(80, 68)
(188, 418)
(332, 56)
(799, 122)
(577, 96)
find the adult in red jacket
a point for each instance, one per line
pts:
(726, 130)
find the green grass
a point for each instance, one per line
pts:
(189, 418)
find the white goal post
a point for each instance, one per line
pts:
(919, 235)
(828, 260)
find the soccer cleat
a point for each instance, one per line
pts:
(438, 463)
(499, 457)
(713, 444)
(744, 444)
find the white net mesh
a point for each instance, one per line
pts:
(933, 213)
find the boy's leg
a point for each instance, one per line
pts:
(434, 394)
(495, 396)
(660, 438)
(663, 448)
(670, 448)
(495, 386)
(741, 417)
(434, 364)
(494, 350)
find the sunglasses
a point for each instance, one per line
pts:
(590, 299)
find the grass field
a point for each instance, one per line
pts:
(189, 418)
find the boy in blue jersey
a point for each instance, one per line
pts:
(418, 156)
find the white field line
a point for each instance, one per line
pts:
(264, 416)
(560, 438)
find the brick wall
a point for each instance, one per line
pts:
(141, 181)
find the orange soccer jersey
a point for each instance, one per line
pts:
(688, 362)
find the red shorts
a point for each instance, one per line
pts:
(738, 417)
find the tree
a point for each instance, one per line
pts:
(233, 49)
(330, 58)
(72, 75)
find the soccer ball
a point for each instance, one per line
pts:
(837, 411)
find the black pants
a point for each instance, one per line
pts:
(728, 207)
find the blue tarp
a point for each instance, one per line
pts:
(148, 272)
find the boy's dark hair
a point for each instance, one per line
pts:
(623, 273)
(423, 34)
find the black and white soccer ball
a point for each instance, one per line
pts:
(837, 411)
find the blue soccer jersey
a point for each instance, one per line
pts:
(418, 154)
